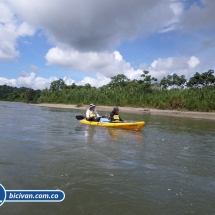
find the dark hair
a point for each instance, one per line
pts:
(115, 108)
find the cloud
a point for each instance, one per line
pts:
(42, 83)
(192, 16)
(193, 62)
(101, 25)
(25, 79)
(108, 64)
(177, 7)
(199, 17)
(95, 25)
(179, 65)
(111, 64)
(99, 81)
(159, 68)
(68, 81)
(85, 35)
(28, 80)
(8, 82)
(24, 29)
(10, 31)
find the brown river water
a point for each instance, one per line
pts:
(167, 168)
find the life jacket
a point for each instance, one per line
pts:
(116, 117)
(92, 114)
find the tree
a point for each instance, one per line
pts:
(147, 78)
(29, 95)
(208, 77)
(118, 80)
(87, 86)
(178, 81)
(73, 86)
(202, 80)
(57, 85)
(164, 83)
(173, 80)
(147, 81)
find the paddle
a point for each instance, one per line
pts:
(80, 117)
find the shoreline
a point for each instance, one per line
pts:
(145, 111)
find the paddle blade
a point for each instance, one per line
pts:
(80, 117)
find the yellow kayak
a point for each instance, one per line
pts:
(123, 125)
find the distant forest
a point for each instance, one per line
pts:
(172, 92)
(22, 94)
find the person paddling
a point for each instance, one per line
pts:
(114, 115)
(91, 114)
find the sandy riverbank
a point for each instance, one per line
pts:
(151, 111)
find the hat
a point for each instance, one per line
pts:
(116, 108)
(92, 105)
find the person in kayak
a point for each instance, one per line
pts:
(91, 114)
(114, 115)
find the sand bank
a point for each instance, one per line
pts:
(151, 111)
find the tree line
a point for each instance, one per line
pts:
(22, 94)
(172, 92)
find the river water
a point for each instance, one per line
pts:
(166, 168)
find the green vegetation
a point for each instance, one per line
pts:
(173, 92)
(22, 94)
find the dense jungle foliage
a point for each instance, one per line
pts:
(172, 92)
(23, 94)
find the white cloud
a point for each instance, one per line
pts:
(159, 68)
(193, 62)
(28, 80)
(42, 83)
(108, 64)
(177, 7)
(8, 51)
(176, 63)
(24, 30)
(111, 64)
(99, 81)
(8, 82)
(179, 65)
(25, 79)
(68, 81)
(118, 56)
(71, 58)
(6, 15)
(10, 31)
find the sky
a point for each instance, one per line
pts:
(90, 41)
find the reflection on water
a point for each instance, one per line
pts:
(125, 134)
(166, 168)
(109, 134)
